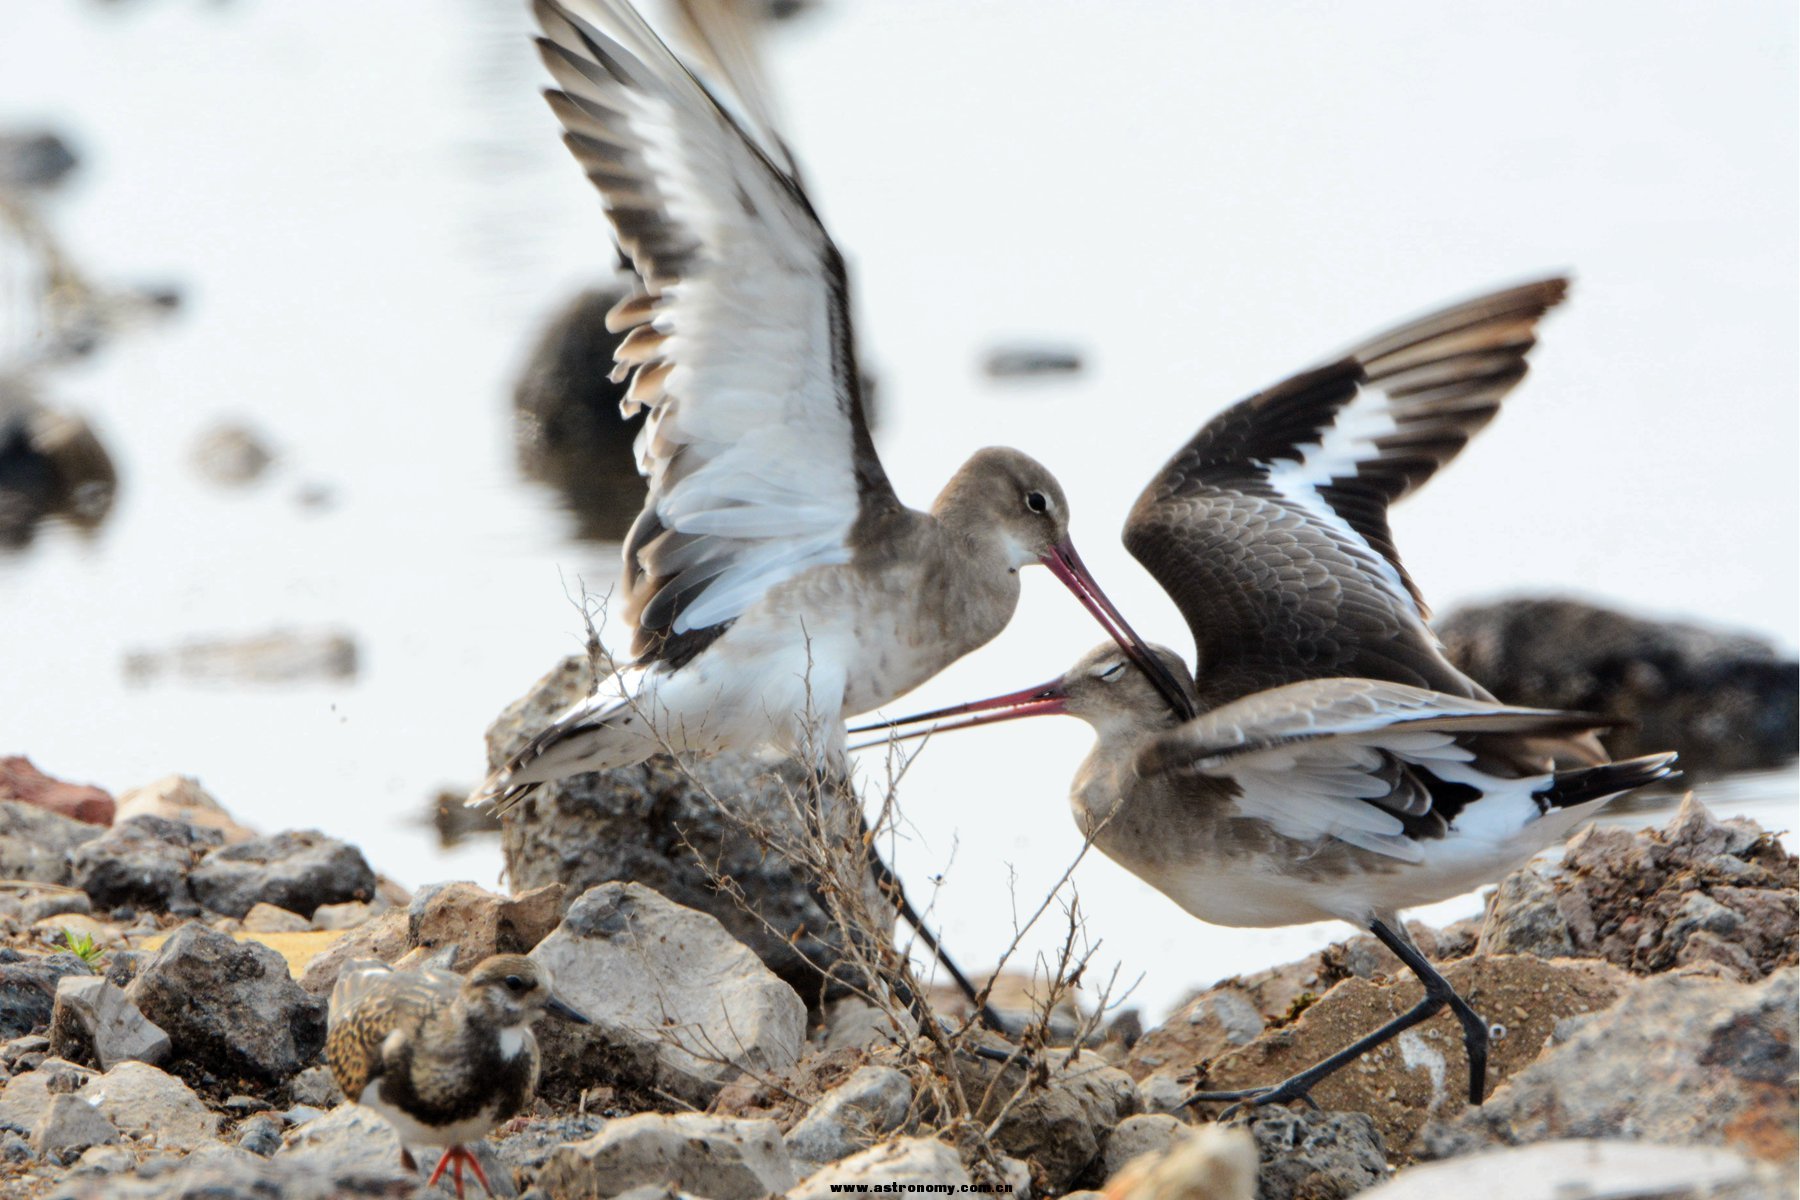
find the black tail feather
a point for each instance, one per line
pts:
(1579, 786)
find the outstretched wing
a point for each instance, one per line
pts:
(756, 449)
(1374, 764)
(1269, 529)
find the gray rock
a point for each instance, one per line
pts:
(144, 862)
(1681, 1058)
(1727, 702)
(36, 843)
(270, 918)
(70, 1125)
(676, 1002)
(315, 1086)
(259, 1135)
(43, 905)
(852, 1116)
(93, 1022)
(153, 1105)
(717, 1157)
(1524, 918)
(104, 1160)
(1061, 1125)
(348, 1141)
(28, 989)
(14, 1148)
(1698, 891)
(226, 1173)
(654, 824)
(34, 161)
(26, 1097)
(296, 871)
(351, 914)
(1146, 1133)
(1593, 1170)
(231, 1006)
(907, 1162)
(1308, 1155)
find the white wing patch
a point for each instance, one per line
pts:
(1346, 444)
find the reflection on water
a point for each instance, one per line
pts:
(371, 217)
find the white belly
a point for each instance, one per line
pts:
(412, 1133)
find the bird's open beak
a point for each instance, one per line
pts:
(1067, 566)
(1046, 699)
(566, 1011)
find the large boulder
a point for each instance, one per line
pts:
(1697, 891)
(1727, 702)
(1684, 1057)
(675, 829)
(676, 1003)
(143, 862)
(28, 986)
(94, 1023)
(230, 1006)
(297, 871)
(36, 843)
(1583, 1169)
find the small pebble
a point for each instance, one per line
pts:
(260, 1135)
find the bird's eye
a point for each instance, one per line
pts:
(516, 984)
(1037, 502)
(1112, 673)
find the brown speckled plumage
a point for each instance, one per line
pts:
(443, 1058)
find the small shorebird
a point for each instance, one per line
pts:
(444, 1059)
(774, 580)
(1339, 766)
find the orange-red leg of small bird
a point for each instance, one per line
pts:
(454, 1158)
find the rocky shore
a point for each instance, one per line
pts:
(162, 1011)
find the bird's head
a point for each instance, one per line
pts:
(1007, 494)
(512, 990)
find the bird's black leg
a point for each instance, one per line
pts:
(1475, 1029)
(1438, 995)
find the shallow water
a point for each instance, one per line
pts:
(370, 212)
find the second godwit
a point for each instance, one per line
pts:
(1339, 767)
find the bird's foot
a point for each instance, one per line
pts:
(1285, 1092)
(455, 1158)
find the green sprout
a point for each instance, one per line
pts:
(81, 945)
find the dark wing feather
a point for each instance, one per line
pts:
(1269, 529)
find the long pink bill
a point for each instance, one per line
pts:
(1046, 699)
(1067, 566)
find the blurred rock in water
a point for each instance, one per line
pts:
(231, 455)
(454, 820)
(52, 465)
(569, 431)
(1017, 362)
(34, 161)
(568, 428)
(284, 656)
(1727, 702)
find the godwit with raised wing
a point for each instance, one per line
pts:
(774, 581)
(1339, 767)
